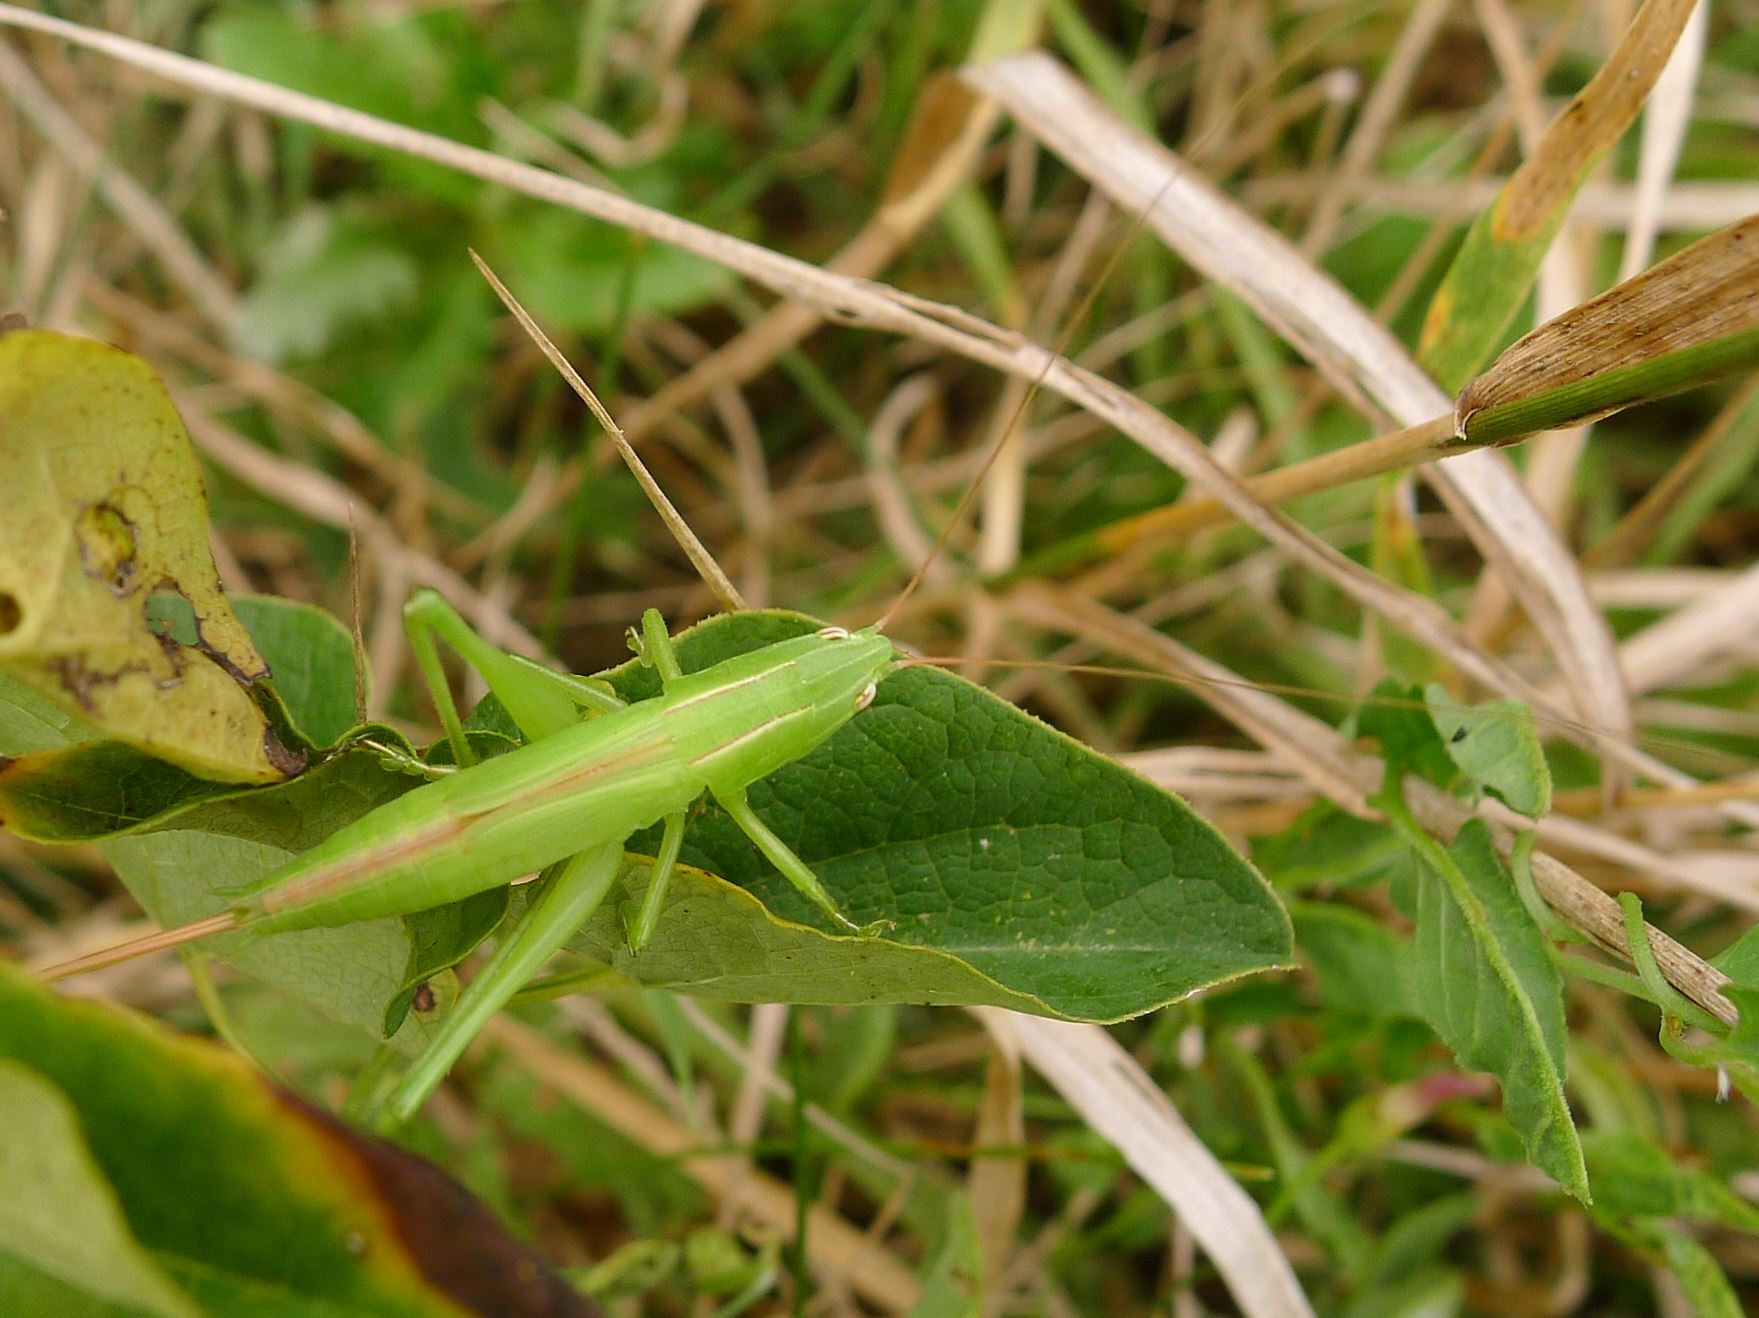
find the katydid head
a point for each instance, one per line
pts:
(851, 662)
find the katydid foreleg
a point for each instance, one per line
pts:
(540, 700)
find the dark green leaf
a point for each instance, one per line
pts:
(96, 789)
(311, 663)
(93, 790)
(439, 939)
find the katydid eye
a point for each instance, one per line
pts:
(865, 699)
(833, 633)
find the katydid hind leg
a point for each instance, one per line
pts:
(671, 843)
(571, 892)
(541, 702)
(789, 865)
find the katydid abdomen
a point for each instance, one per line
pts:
(586, 786)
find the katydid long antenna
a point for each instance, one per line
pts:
(1741, 790)
(700, 558)
(963, 508)
(1138, 222)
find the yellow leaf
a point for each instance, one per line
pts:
(105, 518)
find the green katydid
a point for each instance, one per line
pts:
(593, 772)
(566, 801)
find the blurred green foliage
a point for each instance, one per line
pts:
(779, 122)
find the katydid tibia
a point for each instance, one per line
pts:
(593, 771)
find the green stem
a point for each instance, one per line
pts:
(1671, 1001)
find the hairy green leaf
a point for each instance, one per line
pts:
(1485, 979)
(1494, 744)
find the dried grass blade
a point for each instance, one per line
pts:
(1356, 353)
(1490, 277)
(1682, 323)
(1121, 1102)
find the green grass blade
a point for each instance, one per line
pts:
(1493, 272)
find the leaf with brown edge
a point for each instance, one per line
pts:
(451, 1236)
(1690, 319)
(251, 1199)
(106, 525)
